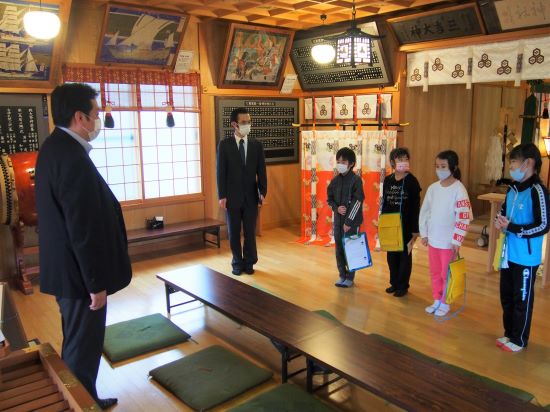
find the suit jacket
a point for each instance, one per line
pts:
(81, 232)
(241, 185)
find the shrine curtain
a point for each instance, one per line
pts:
(318, 167)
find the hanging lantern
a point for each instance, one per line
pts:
(354, 46)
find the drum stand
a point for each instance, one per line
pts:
(25, 274)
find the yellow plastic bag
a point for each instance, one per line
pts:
(390, 232)
(456, 281)
(499, 251)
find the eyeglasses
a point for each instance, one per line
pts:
(90, 117)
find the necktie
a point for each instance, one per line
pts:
(241, 151)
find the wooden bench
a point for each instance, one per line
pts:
(393, 374)
(206, 226)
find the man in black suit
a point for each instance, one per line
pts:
(242, 185)
(82, 237)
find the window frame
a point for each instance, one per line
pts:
(138, 109)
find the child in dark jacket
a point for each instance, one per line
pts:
(345, 197)
(524, 221)
(401, 194)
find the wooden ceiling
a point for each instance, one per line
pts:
(294, 14)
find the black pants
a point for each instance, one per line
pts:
(341, 263)
(83, 335)
(245, 256)
(400, 264)
(517, 295)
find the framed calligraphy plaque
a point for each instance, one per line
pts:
(447, 23)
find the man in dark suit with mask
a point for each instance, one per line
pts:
(82, 237)
(242, 185)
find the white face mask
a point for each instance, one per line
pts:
(402, 167)
(342, 168)
(442, 174)
(92, 135)
(244, 129)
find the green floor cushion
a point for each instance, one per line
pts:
(406, 348)
(327, 315)
(287, 398)
(518, 393)
(209, 377)
(511, 390)
(135, 337)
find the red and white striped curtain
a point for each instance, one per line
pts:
(319, 167)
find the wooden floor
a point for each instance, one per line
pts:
(305, 275)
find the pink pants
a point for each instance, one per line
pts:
(439, 265)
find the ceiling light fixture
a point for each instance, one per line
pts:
(353, 47)
(41, 24)
(323, 52)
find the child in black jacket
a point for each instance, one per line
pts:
(401, 194)
(345, 197)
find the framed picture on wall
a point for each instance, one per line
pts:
(133, 36)
(26, 61)
(255, 57)
(509, 15)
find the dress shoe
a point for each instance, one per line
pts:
(391, 289)
(400, 293)
(237, 272)
(106, 403)
(249, 271)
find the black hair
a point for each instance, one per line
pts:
(527, 151)
(235, 114)
(345, 153)
(70, 98)
(452, 159)
(399, 152)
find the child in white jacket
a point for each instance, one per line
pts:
(444, 219)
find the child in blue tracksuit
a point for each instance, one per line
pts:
(524, 220)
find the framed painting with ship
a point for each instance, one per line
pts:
(24, 60)
(133, 36)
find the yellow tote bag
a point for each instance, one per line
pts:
(456, 280)
(499, 251)
(390, 232)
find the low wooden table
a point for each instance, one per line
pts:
(407, 381)
(260, 311)
(206, 226)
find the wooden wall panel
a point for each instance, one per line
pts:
(487, 104)
(283, 198)
(440, 119)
